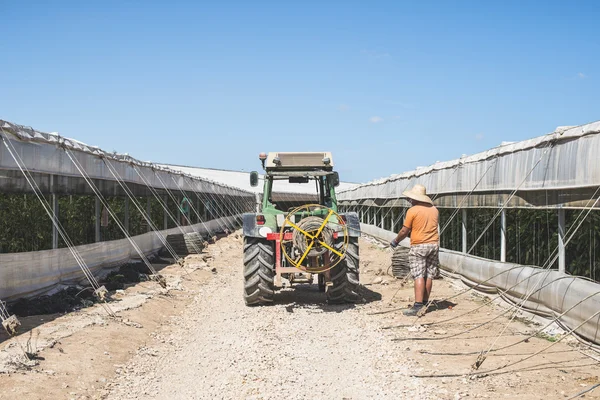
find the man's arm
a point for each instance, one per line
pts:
(401, 236)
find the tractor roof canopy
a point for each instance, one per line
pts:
(299, 161)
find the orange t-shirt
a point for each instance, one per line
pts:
(423, 224)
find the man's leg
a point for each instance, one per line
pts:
(420, 290)
(418, 271)
(428, 286)
(432, 270)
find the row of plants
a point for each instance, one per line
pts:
(25, 225)
(531, 235)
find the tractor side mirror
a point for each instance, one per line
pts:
(254, 179)
(335, 179)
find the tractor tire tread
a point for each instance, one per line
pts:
(345, 275)
(259, 264)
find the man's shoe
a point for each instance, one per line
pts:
(412, 312)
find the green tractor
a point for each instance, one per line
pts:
(296, 235)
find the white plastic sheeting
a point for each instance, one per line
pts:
(569, 159)
(43, 272)
(44, 153)
(549, 293)
(557, 292)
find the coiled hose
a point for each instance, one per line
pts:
(312, 225)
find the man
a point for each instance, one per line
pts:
(185, 211)
(422, 223)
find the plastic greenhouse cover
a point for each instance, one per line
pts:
(569, 159)
(44, 153)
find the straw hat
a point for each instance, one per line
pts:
(418, 193)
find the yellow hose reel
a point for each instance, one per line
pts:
(313, 238)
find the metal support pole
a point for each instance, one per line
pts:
(98, 238)
(149, 212)
(561, 240)
(54, 230)
(382, 218)
(165, 215)
(503, 235)
(126, 218)
(198, 204)
(179, 213)
(393, 221)
(55, 211)
(257, 196)
(464, 230)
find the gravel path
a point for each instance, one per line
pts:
(199, 341)
(299, 348)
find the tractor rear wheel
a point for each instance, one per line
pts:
(345, 275)
(259, 263)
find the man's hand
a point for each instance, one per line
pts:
(403, 234)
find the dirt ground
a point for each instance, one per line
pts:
(198, 341)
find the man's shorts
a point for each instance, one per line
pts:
(424, 260)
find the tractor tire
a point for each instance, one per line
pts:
(259, 265)
(345, 275)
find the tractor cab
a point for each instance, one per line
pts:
(294, 179)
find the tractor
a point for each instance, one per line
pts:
(297, 233)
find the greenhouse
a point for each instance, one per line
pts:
(71, 211)
(508, 213)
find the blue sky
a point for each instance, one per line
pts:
(385, 86)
